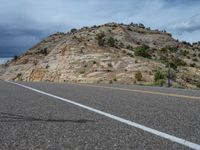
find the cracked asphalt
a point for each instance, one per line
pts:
(30, 120)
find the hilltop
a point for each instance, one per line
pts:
(110, 53)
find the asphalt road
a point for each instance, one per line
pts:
(33, 120)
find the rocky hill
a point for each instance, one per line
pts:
(110, 53)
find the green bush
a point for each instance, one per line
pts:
(198, 85)
(101, 39)
(138, 76)
(142, 51)
(158, 76)
(111, 42)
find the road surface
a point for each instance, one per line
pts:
(71, 116)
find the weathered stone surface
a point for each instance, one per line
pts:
(77, 57)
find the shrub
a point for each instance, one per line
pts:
(129, 47)
(73, 30)
(185, 53)
(172, 49)
(142, 51)
(160, 82)
(195, 59)
(194, 55)
(44, 51)
(198, 85)
(101, 39)
(115, 79)
(138, 76)
(172, 65)
(141, 26)
(121, 44)
(158, 76)
(15, 57)
(192, 65)
(111, 42)
(128, 28)
(130, 54)
(109, 65)
(82, 72)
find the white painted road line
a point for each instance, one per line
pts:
(131, 123)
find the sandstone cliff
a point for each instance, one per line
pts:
(110, 53)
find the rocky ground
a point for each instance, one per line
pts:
(110, 53)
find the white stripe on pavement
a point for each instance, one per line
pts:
(131, 123)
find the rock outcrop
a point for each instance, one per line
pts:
(110, 53)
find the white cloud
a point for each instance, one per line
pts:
(4, 60)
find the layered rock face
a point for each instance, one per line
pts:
(110, 53)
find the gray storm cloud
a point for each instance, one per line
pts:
(26, 22)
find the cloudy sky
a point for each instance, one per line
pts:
(23, 23)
